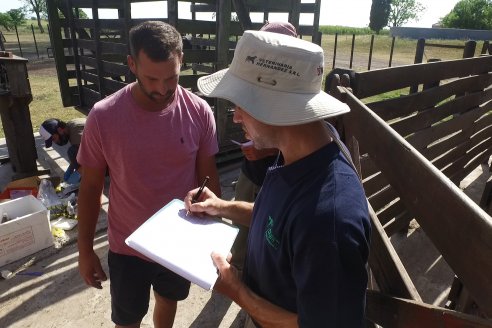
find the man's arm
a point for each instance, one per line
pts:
(89, 205)
(262, 311)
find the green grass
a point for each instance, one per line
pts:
(46, 101)
(333, 29)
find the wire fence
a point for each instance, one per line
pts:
(27, 42)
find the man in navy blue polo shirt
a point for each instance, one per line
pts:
(309, 227)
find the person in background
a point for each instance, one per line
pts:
(255, 164)
(158, 140)
(308, 243)
(59, 132)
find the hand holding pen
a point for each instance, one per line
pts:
(196, 196)
(209, 203)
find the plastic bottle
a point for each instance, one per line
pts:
(70, 209)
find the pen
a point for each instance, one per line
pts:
(199, 192)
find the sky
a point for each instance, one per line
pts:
(353, 13)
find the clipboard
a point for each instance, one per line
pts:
(183, 244)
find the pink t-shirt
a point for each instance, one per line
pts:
(151, 155)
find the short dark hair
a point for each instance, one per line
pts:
(157, 39)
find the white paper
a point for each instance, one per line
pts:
(183, 244)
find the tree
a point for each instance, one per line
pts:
(6, 21)
(378, 18)
(38, 7)
(470, 14)
(17, 16)
(403, 11)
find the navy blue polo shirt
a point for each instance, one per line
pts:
(309, 240)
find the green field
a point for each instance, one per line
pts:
(46, 95)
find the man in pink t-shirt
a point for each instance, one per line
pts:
(158, 141)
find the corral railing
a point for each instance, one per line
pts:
(412, 150)
(90, 53)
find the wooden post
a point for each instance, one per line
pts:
(34, 37)
(419, 56)
(18, 41)
(469, 50)
(485, 47)
(172, 12)
(419, 51)
(352, 50)
(222, 48)
(97, 41)
(59, 53)
(16, 118)
(391, 51)
(335, 50)
(73, 37)
(370, 52)
(295, 13)
(316, 37)
(242, 14)
(2, 47)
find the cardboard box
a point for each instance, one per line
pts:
(28, 230)
(26, 186)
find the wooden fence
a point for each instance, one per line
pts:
(91, 53)
(412, 151)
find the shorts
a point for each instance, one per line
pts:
(130, 280)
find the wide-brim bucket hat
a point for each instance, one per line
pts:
(276, 79)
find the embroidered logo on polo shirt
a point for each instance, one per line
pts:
(269, 236)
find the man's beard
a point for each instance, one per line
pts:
(157, 97)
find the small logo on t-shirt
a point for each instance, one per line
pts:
(269, 236)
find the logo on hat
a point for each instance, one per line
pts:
(251, 59)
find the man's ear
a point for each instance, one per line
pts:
(131, 63)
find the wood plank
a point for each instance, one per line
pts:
(113, 69)
(109, 4)
(423, 138)
(189, 81)
(390, 109)
(59, 54)
(375, 184)
(110, 86)
(429, 117)
(443, 146)
(374, 82)
(459, 175)
(459, 163)
(368, 166)
(391, 211)
(460, 150)
(383, 198)
(113, 48)
(203, 68)
(390, 311)
(386, 266)
(398, 223)
(445, 213)
(199, 56)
